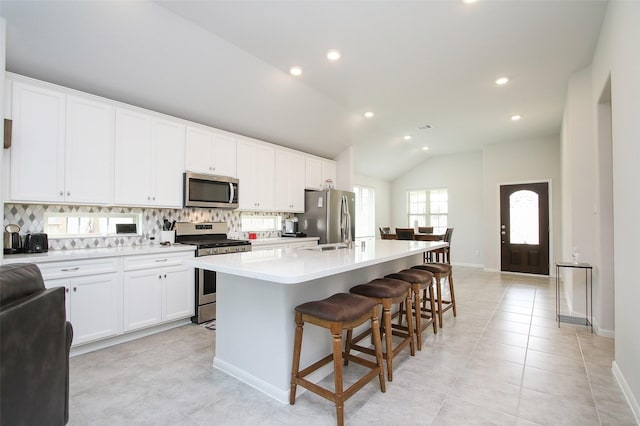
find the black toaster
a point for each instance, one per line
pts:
(36, 243)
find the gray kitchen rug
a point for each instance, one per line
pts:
(209, 325)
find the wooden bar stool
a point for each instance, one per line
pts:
(386, 292)
(342, 311)
(440, 271)
(421, 282)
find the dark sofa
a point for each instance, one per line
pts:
(35, 340)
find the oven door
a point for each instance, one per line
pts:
(205, 296)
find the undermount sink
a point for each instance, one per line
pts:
(325, 247)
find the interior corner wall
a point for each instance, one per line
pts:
(344, 170)
(535, 160)
(383, 199)
(616, 58)
(579, 176)
(461, 174)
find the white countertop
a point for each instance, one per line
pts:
(292, 266)
(92, 253)
(282, 240)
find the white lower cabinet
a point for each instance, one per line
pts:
(154, 294)
(107, 297)
(92, 302)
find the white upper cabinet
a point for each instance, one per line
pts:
(62, 147)
(317, 171)
(89, 151)
(329, 171)
(313, 173)
(37, 149)
(256, 172)
(289, 181)
(149, 160)
(167, 162)
(133, 158)
(210, 152)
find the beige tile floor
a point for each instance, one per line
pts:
(502, 361)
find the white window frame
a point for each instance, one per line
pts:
(112, 218)
(260, 223)
(428, 207)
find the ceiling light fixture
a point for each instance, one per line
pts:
(333, 55)
(502, 81)
(469, 1)
(295, 71)
(407, 137)
(368, 114)
(425, 148)
(516, 117)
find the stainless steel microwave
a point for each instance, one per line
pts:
(202, 190)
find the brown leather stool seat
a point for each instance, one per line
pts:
(440, 271)
(386, 292)
(342, 311)
(421, 282)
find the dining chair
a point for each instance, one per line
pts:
(425, 229)
(445, 252)
(405, 233)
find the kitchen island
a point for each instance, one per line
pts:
(258, 291)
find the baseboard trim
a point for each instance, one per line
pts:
(470, 265)
(127, 337)
(603, 331)
(626, 390)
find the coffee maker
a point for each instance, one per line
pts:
(291, 228)
(12, 239)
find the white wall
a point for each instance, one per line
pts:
(3, 26)
(461, 174)
(579, 189)
(383, 199)
(513, 162)
(616, 56)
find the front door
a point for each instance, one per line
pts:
(524, 228)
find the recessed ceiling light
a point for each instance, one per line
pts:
(516, 117)
(469, 1)
(295, 71)
(407, 137)
(368, 114)
(502, 81)
(333, 55)
(425, 148)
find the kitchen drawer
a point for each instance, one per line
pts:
(133, 263)
(79, 268)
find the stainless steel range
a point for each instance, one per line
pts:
(210, 239)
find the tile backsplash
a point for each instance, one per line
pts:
(30, 218)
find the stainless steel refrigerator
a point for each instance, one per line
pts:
(330, 215)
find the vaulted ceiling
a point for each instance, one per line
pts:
(226, 64)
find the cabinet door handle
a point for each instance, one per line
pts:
(75, 289)
(61, 193)
(70, 269)
(66, 290)
(68, 193)
(159, 277)
(161, 260)
(165, 275)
